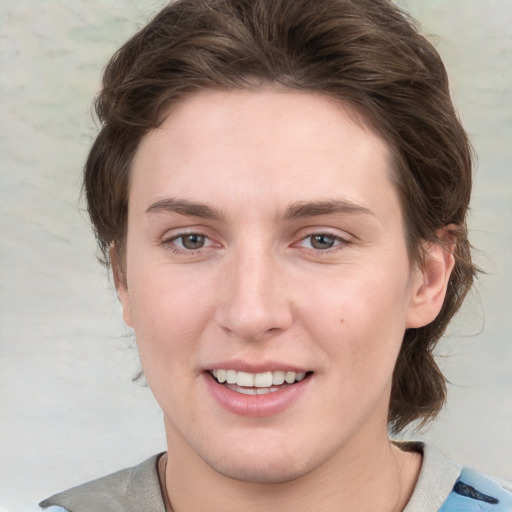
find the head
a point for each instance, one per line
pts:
(366, 54)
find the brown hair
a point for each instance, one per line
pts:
(365, 52)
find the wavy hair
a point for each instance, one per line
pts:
(368, 53)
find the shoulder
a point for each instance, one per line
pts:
(445, 486)
(131, 489)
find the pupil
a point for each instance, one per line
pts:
(322, 241)
(193, 241)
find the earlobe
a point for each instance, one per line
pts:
(431, 282)
(120, 283)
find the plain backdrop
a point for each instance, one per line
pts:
(69, 411)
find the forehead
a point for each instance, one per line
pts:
(263, 145)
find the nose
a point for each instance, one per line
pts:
(254, 300)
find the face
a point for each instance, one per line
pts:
(267, 280)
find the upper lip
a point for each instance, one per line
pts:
(256, 367)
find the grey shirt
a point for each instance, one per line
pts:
(439, 486)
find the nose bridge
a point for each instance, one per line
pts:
(254, 300)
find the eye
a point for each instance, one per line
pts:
(191, 242)
(191, 245)
(322, 241)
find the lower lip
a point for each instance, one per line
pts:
(256, 406)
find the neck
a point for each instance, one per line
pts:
(375, 476)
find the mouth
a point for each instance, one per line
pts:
(257, 383)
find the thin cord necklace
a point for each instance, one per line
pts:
(162, 471)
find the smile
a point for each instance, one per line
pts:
(260, 394)
(257, 383)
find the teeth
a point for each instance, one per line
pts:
(277, 378)
(220, 375)
(246, 391)
(231, 376)
(289, 377)
(253, 391)
(245, 379)
(262, 381)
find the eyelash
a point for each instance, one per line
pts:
(170, 243)
(338, 241)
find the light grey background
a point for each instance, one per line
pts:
(68, 409)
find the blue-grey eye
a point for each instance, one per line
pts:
(193, 241)
(322, 241)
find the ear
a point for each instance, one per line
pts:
(431, 280)
(119, 275)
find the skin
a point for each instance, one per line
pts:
(260, 292)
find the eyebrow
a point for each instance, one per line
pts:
(184, 207)
(312, 209)
(297, 210)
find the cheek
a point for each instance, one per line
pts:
(167, 330)
(168, 317)
(361, 321)
(161, 295)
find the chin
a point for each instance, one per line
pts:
(262, 474)
(261, 466)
